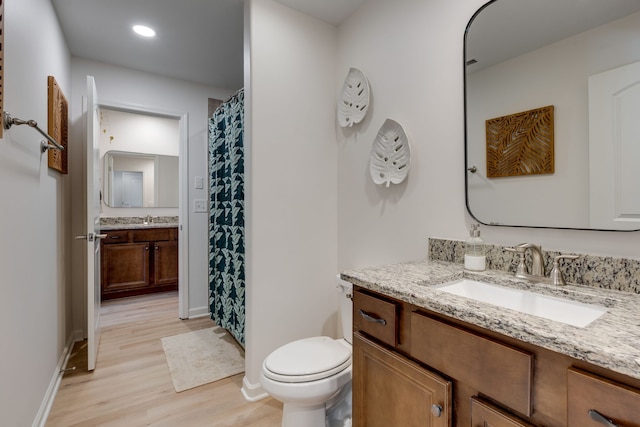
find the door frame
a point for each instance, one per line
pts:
(183, 190)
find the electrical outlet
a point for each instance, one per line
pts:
(200, 206)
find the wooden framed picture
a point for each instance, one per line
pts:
(58, 126)
(521, 144)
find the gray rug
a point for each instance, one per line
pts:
(202, 357)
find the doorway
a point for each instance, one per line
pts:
(147, 149)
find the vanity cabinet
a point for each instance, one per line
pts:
(478, 377)
(388, 388)
(139, 261)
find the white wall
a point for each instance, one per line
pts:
(35, 309)
(141, 133)
(411, 51)
(124, 87)
(291, 188)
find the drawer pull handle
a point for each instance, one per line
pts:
(597, 416)
(370, 318)
(436, 410)
(115, 237)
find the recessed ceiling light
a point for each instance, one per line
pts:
(144, 31)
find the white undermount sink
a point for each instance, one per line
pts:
(558, 309)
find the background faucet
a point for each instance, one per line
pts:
(147, 219)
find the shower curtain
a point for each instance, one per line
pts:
(226, 216)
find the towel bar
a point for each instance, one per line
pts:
(10, 121)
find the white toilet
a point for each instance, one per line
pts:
(305, 374)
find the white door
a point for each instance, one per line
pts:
(93, 235)
(132, 189)
(614, 152)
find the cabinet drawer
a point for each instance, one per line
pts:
(116, 236)
(376, 317)
(152, 235)
(484, 414)
(495, 369)
(588, 392)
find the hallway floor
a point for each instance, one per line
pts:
(131, 385)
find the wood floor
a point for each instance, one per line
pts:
(131, 385)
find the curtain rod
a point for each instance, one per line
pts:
(10, 121)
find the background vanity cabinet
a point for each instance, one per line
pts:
(139, 261)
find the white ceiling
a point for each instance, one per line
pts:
(197, 40)
(202, 40)
(331, 11)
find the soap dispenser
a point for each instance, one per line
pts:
(474, 250)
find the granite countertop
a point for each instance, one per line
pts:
(612, 341)
(137, 226)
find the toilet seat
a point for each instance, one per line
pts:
(308, 359)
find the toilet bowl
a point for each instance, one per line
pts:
(305, 374)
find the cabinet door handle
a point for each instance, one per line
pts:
(370, 318)
(436, 410)
(597, 416)
(157, 248)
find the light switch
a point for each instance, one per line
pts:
(199, 183)
(200, 206)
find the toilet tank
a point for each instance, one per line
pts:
(346, 308)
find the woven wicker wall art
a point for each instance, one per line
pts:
(520, 144)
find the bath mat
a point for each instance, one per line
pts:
(202, 357)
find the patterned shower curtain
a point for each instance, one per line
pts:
(226, 216)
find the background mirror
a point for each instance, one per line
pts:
(582, 57)
(136, 180)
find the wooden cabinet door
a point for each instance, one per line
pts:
(165, 263)
(486, 415)
(125, 267)
(390, 390)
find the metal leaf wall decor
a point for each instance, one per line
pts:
(520, 144)
(390, 154)
(354, 100)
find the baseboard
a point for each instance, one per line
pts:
(194, 313)
(54, 384)
(252, 392)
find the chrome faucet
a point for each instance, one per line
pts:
(537, 265)
(537, 262)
